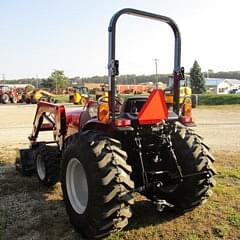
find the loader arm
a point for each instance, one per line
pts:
(46, 93)
(49, 117)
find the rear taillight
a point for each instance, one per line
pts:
(122, 122)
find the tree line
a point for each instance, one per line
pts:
(58, 81)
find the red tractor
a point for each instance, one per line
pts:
(8, 94)
(110, 149)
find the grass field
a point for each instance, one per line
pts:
(30, 211)
(62, 98)
(218, 99)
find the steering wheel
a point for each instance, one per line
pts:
(104, 99)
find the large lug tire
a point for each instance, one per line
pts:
(48, 164)
(193, 157)
(96, 184)
(5, 98)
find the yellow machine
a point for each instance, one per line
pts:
(184, 93)
(79, 95)
(37, 95)
(102, 92)
(185, 96)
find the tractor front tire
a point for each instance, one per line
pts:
(48, 164)
(96, 184)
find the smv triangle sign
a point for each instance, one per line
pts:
(154, 110)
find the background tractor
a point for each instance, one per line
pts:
(108, 150)
(102, 92)
(8, 94)
(78, 95)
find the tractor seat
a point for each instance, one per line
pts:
(131, 107)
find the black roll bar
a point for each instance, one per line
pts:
(113, 63)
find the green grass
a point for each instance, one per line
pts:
(234, 220)
(218, 99)
(33, 209)
(3, 221)
(221, 231)
(192, 236)
(62, 98)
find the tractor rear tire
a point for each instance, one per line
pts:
(193, 157)
(48, 164)
(96, 184)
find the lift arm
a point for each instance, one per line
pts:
(55, 117)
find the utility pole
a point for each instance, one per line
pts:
(56, 86)
(3, 78)
(156, 68)
(37, 80)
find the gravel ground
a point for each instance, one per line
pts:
(16, 124)
(220, 127)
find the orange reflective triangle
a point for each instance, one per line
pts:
(154, 110)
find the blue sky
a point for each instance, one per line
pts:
(40, 36)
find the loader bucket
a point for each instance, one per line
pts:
(25, 161)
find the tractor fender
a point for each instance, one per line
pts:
(73, 121)
(95, 124)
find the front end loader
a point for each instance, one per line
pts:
(110, 149)
(35, 95)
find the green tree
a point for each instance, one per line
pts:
(197, 79)
(57, 80)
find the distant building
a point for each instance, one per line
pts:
(212, 83)
(228, 86)
(17, 85)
